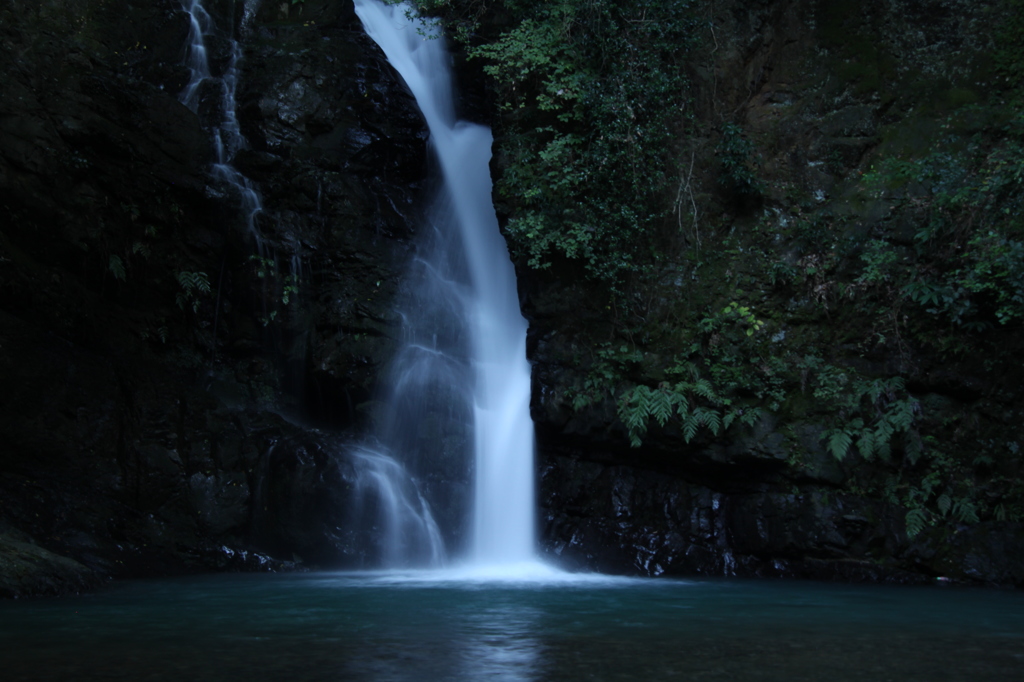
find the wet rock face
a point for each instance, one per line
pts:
(338, 150)
(140, 414)
(619, 519)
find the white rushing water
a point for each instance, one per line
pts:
(495, 331)
(405, 525)
(212, 96)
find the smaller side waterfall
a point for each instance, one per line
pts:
(388, 500)
(212, 96)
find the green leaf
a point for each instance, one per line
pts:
(710, 418)
(916, 520)
(704, 389)
(866, 444)
(690, 426)
(751, 416)
(728, 419)
(839, 442)
(116, 267)
(965, 511)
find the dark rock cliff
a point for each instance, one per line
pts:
(825, 93)
(148, 427)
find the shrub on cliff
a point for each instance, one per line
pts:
(593, 95)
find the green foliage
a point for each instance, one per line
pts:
(461, 18)
(127, 251)
(916, 520)
(715, 384)
(739, 164)
(871, 414)
(1009, 53)
(193, 285)
(608, 369)
(967, 197)
(744, 317)
(277, 289)
(289, 289)
(116, 268)
(695, 403)
(782, 274)
(160, 333)
(994, 271)
(593, 94)
(878, 258)
(945, 490)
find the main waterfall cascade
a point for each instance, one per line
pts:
(464, 333)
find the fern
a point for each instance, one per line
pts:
(194, 281)
(691, 424)
(883, 416)
(916, 521)
(635, 419)
(710, 418)
(704, 389)
(866, 444)
(965, 511)
(192, 284)
(682, 400)
(683, 409)
(632, 411)
(914, 449)
(839, 442)
(983, 460)
(729, 418)
(751, 416)
(944, 503)
(873, 390)
(684, 369)
(660, 405)
(901, 414)
(883, 437)
(116, 267)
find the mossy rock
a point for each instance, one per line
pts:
(27, 570)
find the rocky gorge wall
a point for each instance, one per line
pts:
(150, 425)
(773, 294)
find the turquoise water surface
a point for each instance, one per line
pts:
(429, 626)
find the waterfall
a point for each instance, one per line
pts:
(385, 499)
(212, 97)
(465, 334)
(461, 375)
(407, 532)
